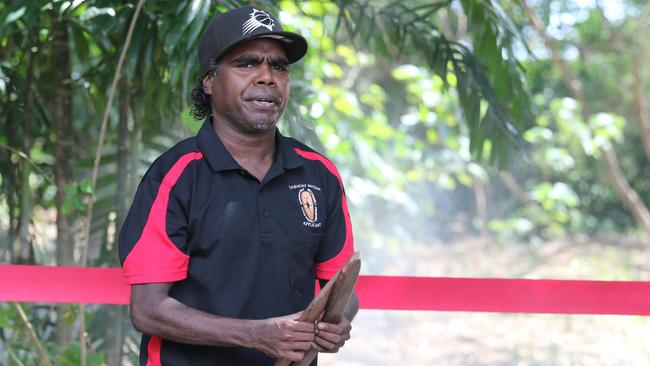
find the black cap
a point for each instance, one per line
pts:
(243, 24)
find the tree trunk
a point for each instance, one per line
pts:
(25, 245)
(136, 135)
(482, 210)
(63, 175)
(122, 157)
(640, 106)
(9, 180)
(627, 194)
(115, 334)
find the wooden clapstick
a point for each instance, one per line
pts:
(317, 307)
(338, 300)
(314, 310)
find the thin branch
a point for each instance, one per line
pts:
(575, 87)
(627, 194)
(14, 357)
(32, 335)
(95, 173)
(29, 160)
(102, 131)
(615, 40)
(618, 44)
(351, 79)
(514, 187)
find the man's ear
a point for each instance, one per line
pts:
(207, 84)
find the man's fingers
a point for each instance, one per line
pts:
(343, 327)
(325, 344)
(295, 356)
(295, 326)
(294, 351)
(298, 346)
(333, 337)
(315, 346)
(323, 337)
(305, 327)
(301, 336)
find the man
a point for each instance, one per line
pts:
(229, 229)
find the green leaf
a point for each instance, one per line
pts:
(15, 15)
(4, 317)
(81, 44)
(406, 72)
(85, 186)
(92, 12)
(190, 122)
(432, 136)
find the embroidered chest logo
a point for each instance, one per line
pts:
(258, 18)
(308, 203)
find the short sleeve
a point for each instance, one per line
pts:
(152, 241)
(338, 244)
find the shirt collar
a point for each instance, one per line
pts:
(285, 152)
(220, 159)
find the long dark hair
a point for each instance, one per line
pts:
(201, 105)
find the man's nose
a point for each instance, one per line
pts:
(265, 74)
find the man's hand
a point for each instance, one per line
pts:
(285, 337)
(330, 337)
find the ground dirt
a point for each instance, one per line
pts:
(455, 338)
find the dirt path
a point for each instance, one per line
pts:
(447, 338)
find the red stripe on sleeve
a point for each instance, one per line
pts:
(325, 270)
(153, 351)
(155, 258)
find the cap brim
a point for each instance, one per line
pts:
(295, 46)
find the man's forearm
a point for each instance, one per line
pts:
(154, 312)
(166, 317)
(180, 323)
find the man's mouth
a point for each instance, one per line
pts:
(265, 101)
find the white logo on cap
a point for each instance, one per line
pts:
(258, 18)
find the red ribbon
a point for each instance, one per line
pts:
(63, 284)
(107, 286)
(505, 295)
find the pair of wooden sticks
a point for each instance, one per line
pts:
(330, 303)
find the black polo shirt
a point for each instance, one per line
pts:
(232, 245)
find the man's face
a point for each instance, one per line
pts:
(250, 89)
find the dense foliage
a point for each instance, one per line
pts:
(445, 118)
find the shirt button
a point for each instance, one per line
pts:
(265, 212)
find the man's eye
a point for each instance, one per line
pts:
(280, 67)
(245, 65)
